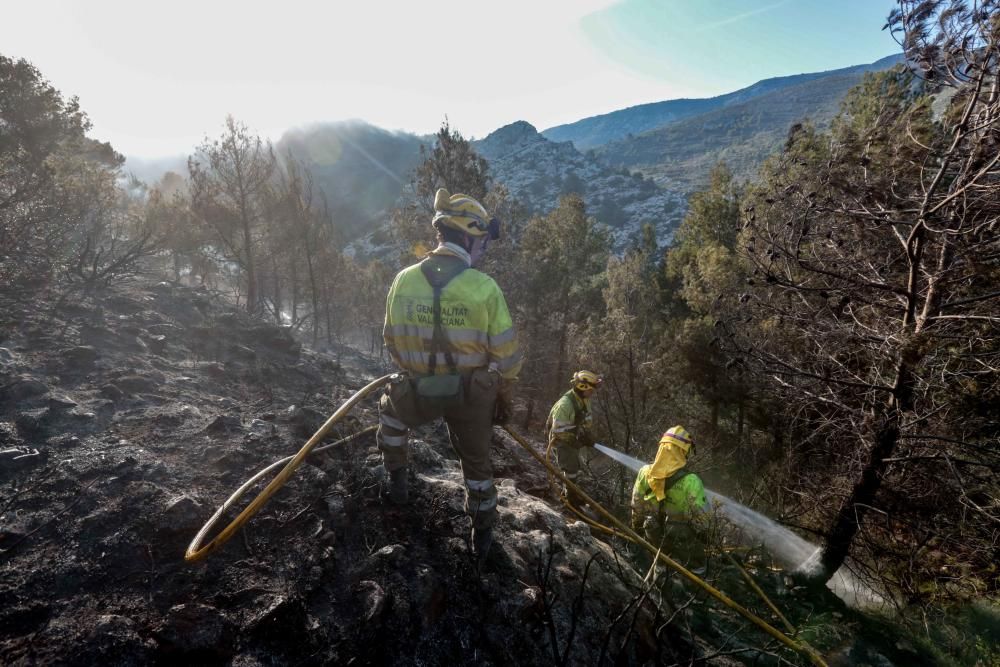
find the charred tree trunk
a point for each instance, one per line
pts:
(852, 512)
(886, 434)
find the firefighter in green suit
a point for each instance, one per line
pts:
(568, 428)
(668, 501)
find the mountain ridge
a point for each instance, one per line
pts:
(597, 130)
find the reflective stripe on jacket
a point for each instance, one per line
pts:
(568, 416)
(474, 317)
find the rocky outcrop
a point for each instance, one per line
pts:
(539, 171)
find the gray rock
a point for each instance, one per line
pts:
(32, 423)
(182, 513)
(338, 512)
(212, 369)
(22, 389)
(60, 403)
(8, 434)
(12, 458)
(82, 420)
(136, 384)
(164, 329)
(242, 352)
(124, 304)
(79, 358)
(223, 424)
(103, 408)
(112, 392)
(157, 344)
(196, 627)
(261, 428)
(64, 441)
(8, 359)
(305, 421)
(393, 553)
(373, 599)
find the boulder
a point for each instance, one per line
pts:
(195, 627)
(305, 421)
(80, 358)
(373, 599)
(182, 514)
(23, 389)
(112, 392)
(59, 403)
(136, 384)
(8, 359)
(224, 424)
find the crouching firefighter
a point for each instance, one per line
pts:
(568, 428)
(448, 328)
(668, 500)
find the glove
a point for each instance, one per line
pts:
(584, 439)
(503, 407)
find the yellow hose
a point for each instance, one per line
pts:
(196, 552)
(797, 646)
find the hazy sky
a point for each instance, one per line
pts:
(156, 78)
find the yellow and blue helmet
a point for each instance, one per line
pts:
(584, 380)
(463, 213)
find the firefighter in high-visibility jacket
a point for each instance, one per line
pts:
(448, 327)
(668, 501)
(569, 428)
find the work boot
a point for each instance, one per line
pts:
(482, 539)
(590, 513)
(398, 491)
(573, 498)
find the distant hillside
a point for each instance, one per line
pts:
(598, 130)
(680, 155)
(539, 171)
(361, 168)
(151, 170)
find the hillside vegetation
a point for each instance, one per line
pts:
(827, 333)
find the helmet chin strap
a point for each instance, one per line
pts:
(478, 248)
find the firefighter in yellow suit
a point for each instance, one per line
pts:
(448, 328)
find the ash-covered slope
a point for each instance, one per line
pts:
(126, 419)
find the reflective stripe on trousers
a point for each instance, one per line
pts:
(481, 501)
(471, 428)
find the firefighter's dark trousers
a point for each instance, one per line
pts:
(471, 427)
(568, 456)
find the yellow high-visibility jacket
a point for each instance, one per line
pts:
(570, 420)
(474, 317)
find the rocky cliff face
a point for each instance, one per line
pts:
(539, 171)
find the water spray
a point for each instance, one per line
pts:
(792, 551)
(794, 643)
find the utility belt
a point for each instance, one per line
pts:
(452, 390)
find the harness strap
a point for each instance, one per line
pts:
(438, 277)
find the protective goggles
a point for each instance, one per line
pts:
(492, 228)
